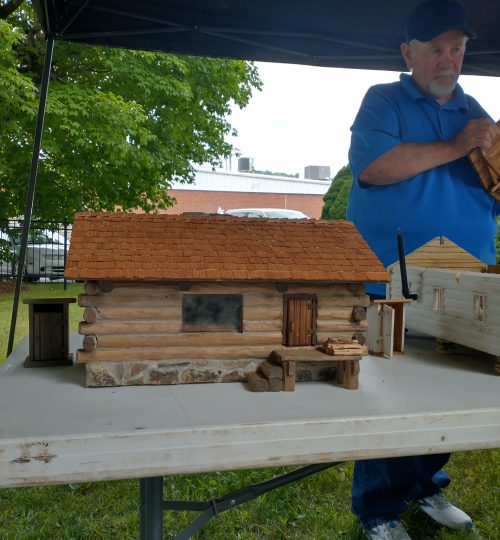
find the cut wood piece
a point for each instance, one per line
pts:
(358, 313)
(275, 385)
(90, 342)
(106, 285)
(271, 371)
(91, 287)
(257, 383)
(90, 315)
(348, 374)
(289, 375)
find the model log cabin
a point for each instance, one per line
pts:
(458, 296)
(185, 299)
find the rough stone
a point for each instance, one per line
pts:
(163, 377)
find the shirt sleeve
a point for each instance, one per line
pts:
(375, 131)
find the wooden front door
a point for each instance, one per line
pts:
(299, 320)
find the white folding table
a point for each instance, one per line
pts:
(55, 430)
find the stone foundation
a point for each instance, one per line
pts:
(101, 374)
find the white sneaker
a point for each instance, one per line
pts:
(389, 530)
(442, 511)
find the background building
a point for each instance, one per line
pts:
(215, 190)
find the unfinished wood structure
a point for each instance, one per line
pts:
(183, 299)
(386, 326)
(487, 165)
(458, 296)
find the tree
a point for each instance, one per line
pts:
(120, 125)
(335, 199)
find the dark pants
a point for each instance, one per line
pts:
(381, 488)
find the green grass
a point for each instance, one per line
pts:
(316, 508)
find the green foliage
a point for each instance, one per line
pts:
(120, 125)
(335, 199)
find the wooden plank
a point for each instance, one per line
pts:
(230, 352)
(341, 301)
(388, 315)
(308, 355)
(342, 326)
(289, 375)
(202, 339)
(103, 327)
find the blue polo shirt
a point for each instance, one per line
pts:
(445, 201)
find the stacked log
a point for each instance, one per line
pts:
(269, 378)
(342, 347)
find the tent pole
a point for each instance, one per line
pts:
(30, 195)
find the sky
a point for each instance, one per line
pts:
(303, 114)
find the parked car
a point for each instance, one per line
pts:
(267, 213)
(45, 254)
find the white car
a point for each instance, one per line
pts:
(267, 213)
(45, 254)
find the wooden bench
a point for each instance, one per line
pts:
(347, 366)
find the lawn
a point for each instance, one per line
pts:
(315, 508)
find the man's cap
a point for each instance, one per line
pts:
(434, 17)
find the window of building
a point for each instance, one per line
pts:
(212, 312)
(480, 307)
(438, 304)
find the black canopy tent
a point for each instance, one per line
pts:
(363, 34)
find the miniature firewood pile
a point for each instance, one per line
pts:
(487, 165)
(279, 371)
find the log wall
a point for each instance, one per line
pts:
(457, 321)
(133, 333)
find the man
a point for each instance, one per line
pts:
(408, 157)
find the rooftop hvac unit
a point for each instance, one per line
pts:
(317, 172)
(245, 164)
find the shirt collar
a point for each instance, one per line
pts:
(458, 102)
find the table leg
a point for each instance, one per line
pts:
(151, 508)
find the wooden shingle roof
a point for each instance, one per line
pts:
(154, 247)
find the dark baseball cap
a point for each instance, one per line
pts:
(434, 17)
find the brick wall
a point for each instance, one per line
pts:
(209, 201)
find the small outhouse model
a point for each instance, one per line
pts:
(182, 299)
(458, 296)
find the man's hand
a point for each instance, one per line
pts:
(476, 134)
(408, 159)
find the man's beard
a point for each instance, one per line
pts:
(439, 90)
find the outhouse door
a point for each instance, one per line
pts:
(299, 319)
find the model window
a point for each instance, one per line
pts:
(438, 304)
(480, 307)
(212, 313)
